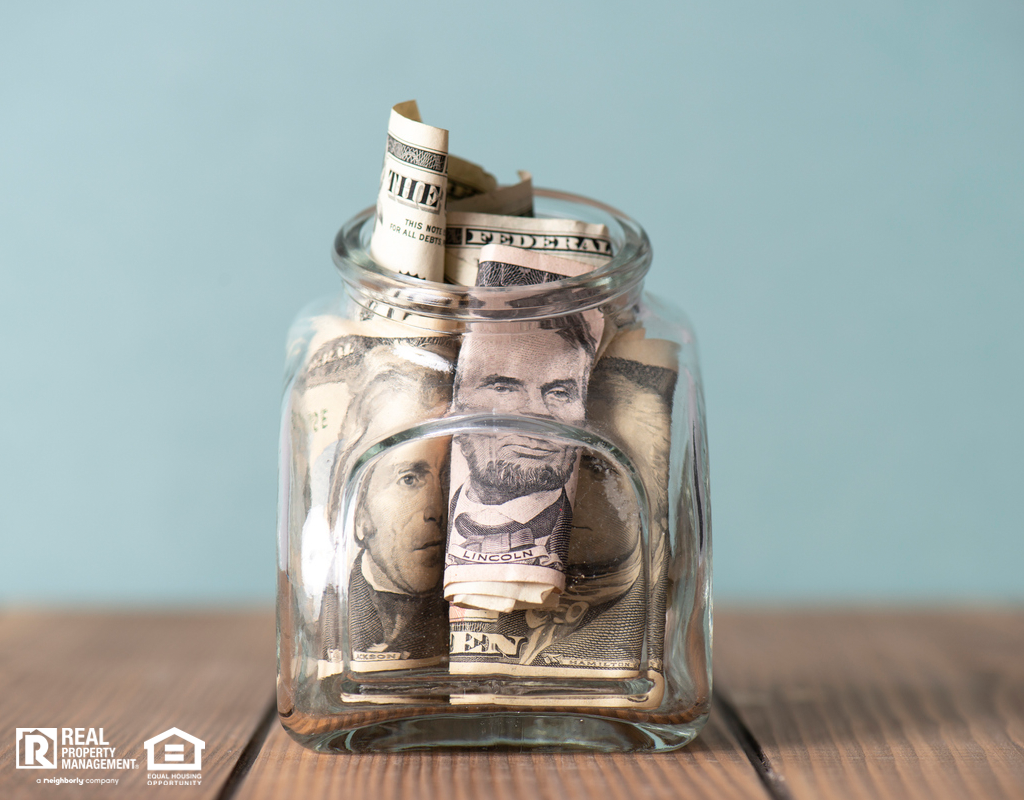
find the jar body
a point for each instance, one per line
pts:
(375, 449)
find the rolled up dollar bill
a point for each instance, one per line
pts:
(636, 380)
(512, 494)
(466, 180)
(515, 200)
(468, 232)
(408, 233)
(386, 558)
(599, 627)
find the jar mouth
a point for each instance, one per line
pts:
(371, 284)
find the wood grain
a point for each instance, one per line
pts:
(881, 705)
(134, 675)
(821, 705)
(712, 766)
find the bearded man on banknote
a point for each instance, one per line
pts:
(515, 501)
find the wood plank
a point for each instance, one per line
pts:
(712, 766)
(135, 675)
(881, 704)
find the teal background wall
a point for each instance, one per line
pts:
(835, 194)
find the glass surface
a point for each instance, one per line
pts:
(623, 660)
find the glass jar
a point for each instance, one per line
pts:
(616, 655)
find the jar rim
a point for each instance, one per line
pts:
(372, 284)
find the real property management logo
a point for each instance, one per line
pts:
(67, 748)
(36, 748)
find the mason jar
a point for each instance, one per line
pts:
(411, 482)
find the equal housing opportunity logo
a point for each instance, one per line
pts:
(167, 750)
(174, 758)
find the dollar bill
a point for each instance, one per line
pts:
(315, 404)
(417, 180)
(408, 232)
(636, 380)
(396, 615)
(467, 180)
(610, 620)
(361, 384)
(468, 232)
(512, 495)
(515, 200)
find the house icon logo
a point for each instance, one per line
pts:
(174, 749)
(36, 748)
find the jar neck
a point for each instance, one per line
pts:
(615, 283)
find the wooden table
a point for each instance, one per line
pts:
(846, 704)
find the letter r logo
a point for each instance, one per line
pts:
(36, 748)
